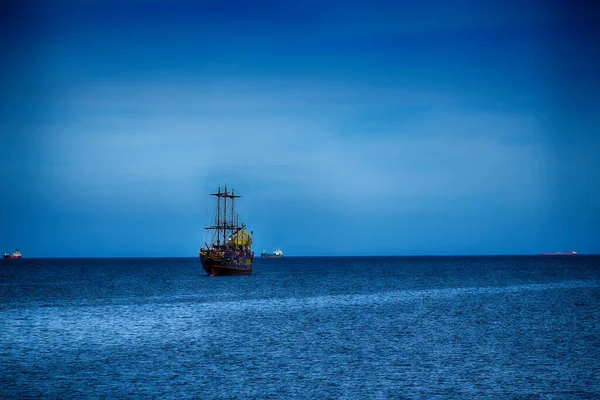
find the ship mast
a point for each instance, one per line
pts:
(222, 223)
(232, 211)
(233, 226)
(225, 217)
(218, 214)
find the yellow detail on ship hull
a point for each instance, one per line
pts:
(218, 258)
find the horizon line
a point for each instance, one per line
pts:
(326, 256)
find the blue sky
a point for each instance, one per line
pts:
(350, 128)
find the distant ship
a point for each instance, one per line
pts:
(16, 254)
(559, 253)
(230, 251)
(276, 254)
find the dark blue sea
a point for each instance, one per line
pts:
(302, 328)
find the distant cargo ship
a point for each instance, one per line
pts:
(16, 254)
(276, 254)
(558, 253)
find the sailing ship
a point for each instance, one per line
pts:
(230, 251)
(16, 254)
(276, 254)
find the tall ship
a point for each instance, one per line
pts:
(230, 249)
(16, 254)
(276, 254)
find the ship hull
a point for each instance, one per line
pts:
(270, 256)
(225, 270)
(226, 264)
(7, 256)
